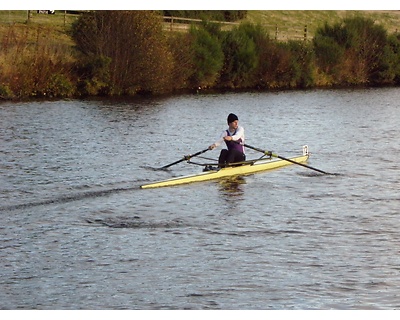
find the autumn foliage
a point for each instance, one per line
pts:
(131, 45)
(129, 53)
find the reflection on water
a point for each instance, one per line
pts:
(232, 186)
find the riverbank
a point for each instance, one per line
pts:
(41, 59)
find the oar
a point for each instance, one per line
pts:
(185, 158)
(269, 153)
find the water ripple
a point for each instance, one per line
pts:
(78, 233)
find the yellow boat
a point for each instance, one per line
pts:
(245, 169)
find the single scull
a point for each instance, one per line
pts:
(249, 167)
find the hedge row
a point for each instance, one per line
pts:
(129, 53)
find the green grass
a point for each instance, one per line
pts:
(60, 19)
(291, 23)
(57, 25)
(288, 23)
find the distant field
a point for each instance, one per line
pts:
(60, 19)
(283, 24)
(290, 24)
(14, 25)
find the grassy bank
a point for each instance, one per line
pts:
(292, 22)
(38, 56)
(59, 19)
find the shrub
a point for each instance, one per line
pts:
(302, 64)
(240, 58)
(207, 58)
(394, 48)
(6, 92)
(32, 62)
(93, 75)
(59, 86)
(353, 51)
(329, 53)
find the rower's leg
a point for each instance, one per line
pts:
(223, 158)
(235, 156)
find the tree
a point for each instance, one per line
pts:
(181, 47)
(133, 40)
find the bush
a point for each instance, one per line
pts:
(240, 58)
(6, 92)
(34, 64)
(329, 54)
(394, 45)
(354, 51)
(207, 58)
(302, 64)
(59, 86)
(94, 75)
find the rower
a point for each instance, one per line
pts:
(234, 140)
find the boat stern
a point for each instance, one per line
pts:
(305, 150)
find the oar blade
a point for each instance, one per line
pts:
(271, 154)
(300, 164)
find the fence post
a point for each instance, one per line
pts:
(276, 32)
(305, 33)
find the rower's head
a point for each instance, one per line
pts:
(233, 121)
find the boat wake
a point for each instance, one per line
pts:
(74, 196)
(135, 222)
(312, 174)
(153, 169)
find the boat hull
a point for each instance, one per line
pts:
(262, 165)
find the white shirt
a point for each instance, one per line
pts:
(239, 134)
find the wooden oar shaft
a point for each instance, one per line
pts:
(283, 158)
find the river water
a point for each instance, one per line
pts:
(77, 232)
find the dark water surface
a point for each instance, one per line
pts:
(77, 232)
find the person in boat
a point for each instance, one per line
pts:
(234, 139)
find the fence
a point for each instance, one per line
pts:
(286, 34)
(276, 32)
(65, 18)
(43, 17)
(183, 24)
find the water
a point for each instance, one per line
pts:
(77, 232)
